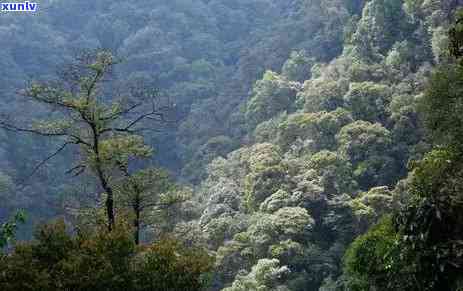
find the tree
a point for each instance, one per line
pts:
(430, 223)
(370, 206)
(266, 174)
(373, 258)
(271, 95)
(368, 101)
(382, 24)
(8, 229)
(106, 133)
(148, 189)
(322, 94)
(367, 147)
(265, 275)
(442, 103)
(101, 260)
(335, 172)
(420, 246)
(298, 67)
(318, 128)
(167, 265)
(456, 36)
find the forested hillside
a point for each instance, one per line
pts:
(204, 55)
(279, 145)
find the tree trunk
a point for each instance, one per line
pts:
(110, 208)
(104, 183)
(136, 222)
(109, 199)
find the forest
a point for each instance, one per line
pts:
(232, 145)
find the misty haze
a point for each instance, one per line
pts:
(235, 145)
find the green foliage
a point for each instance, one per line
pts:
(266, 176)
(335, 172)
(169, 266)
(262, 184)
(278, 200)
(373, 259)
(440, 44)
(382, 24)
(298, 67)
(368, 101)
(341, 154)
(105, 133)
(441, 105)
(293, 221)
(271, 95)
(289, 252)
(367, 145)
(100, 261)
(407, 126)
(320, 132)
(217, 146)
(456, 36)
(265, 275)
(149, 186)
(421, 249)
(118, 150)
(369, 206)
(321, 94)
(398, 59)
(320, 128)
(267, 131)
(149, 194)
(434, 171)
(8, 229)
(430, 221)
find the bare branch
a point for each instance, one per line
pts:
(122, 112)
(44, 161)
(79, 140)
(77, 170)
(138, 119)
(131, 131)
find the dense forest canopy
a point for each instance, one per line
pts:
(232, 145)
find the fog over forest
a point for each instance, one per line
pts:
(235, 145)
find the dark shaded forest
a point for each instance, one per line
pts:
(232, 145)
